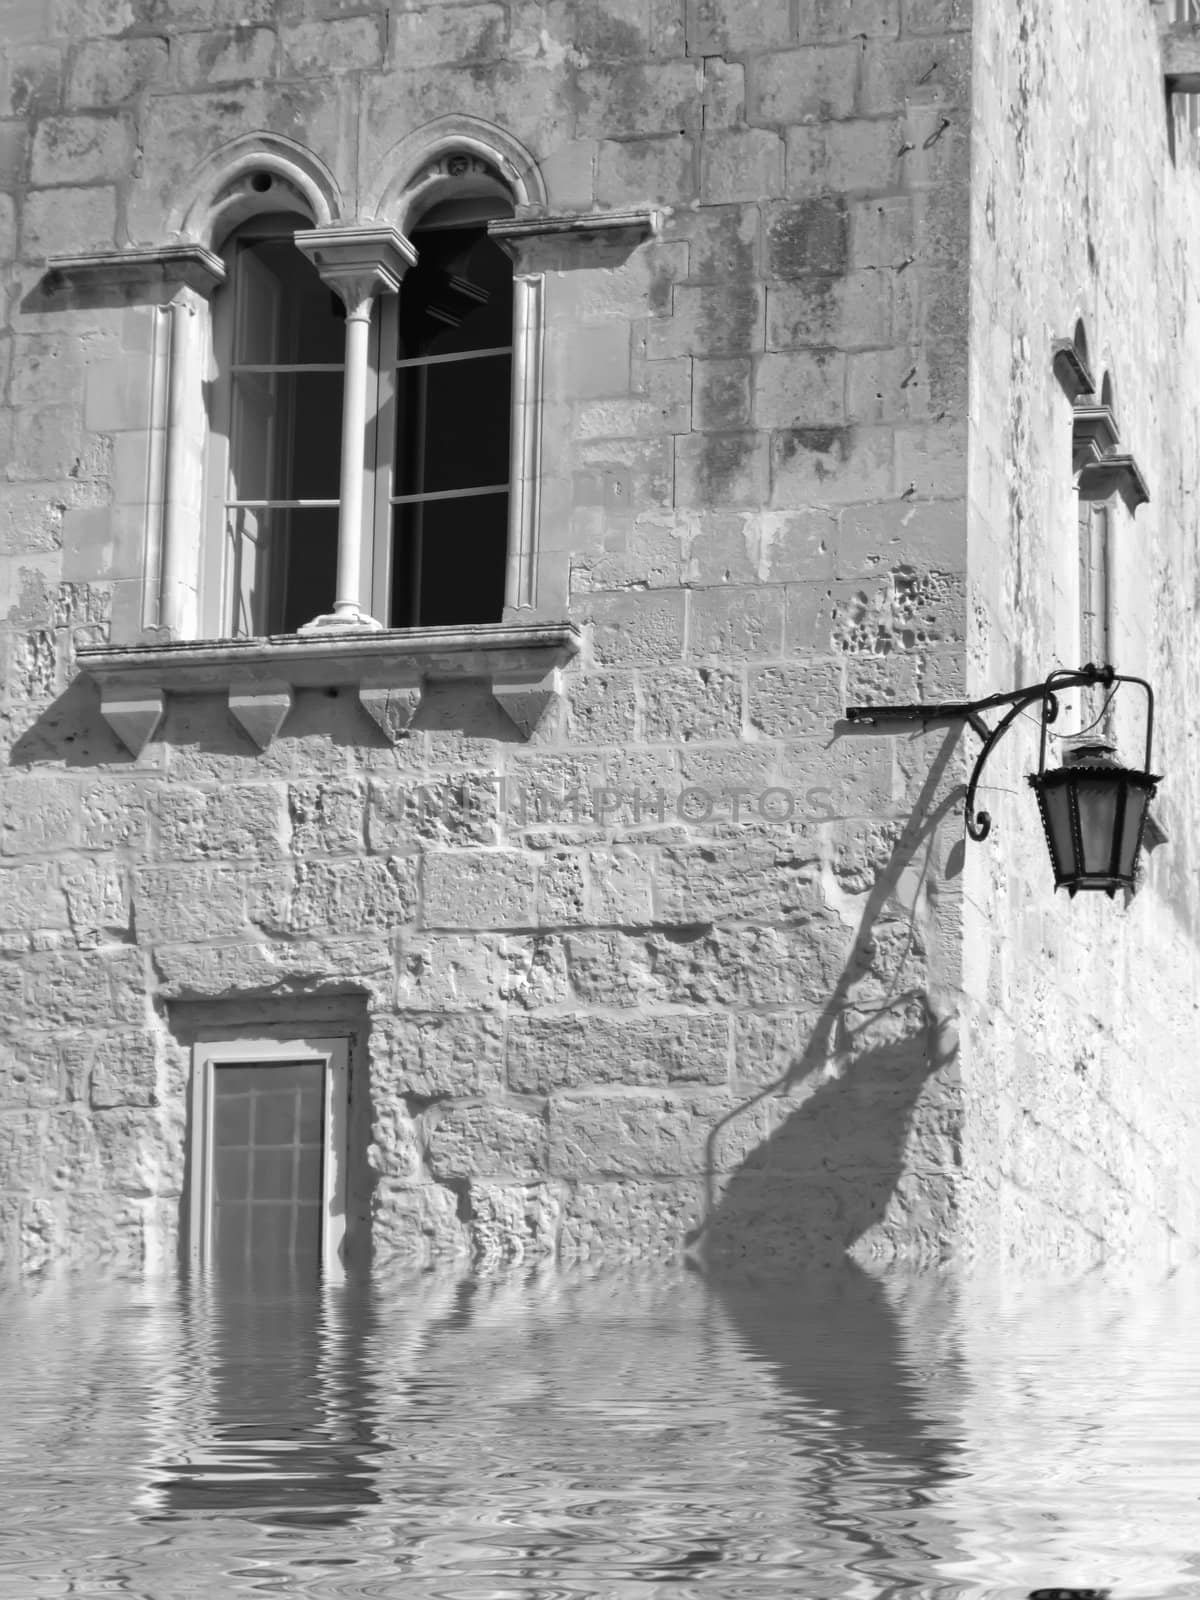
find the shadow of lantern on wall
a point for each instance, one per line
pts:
(1094, 809)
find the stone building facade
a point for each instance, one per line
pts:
(496, 828)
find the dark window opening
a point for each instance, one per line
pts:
(453, 412)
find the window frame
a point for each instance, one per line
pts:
(263, 1050)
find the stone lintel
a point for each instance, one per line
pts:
(358, 261)
(639, 223)
(387, 668)
(260, 707)
(526, 697)
(1094, 434)
(1070, 370)
(1099, 480)
(189, 266)
(1181, 57)
(133, 710)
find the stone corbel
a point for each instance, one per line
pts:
(1093, 434)
(543, 244)
(178, 266)
(391, 703)
(1070, 370)
(133, 710)
(260, 708)
(1099, 480)
(525, 697)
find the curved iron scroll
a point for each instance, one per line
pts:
(979, 823)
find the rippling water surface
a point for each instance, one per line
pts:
(553, 1434)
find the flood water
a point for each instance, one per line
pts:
(555, 1433)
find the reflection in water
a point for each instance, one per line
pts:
(560, 1434)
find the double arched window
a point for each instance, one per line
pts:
(434, 441)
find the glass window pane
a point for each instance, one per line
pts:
(231, 1173)
(448, 561)
(452, 424)
(285, 314)
(274, 1173)
(459, 294)
(282, 567)
(286, 436)
(1097, 821)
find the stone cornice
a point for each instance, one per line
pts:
(1100, 480)
(637, 223)
(354, 259)
(1070, 370)
(190, 265)
(1093, 434)
(522, 662)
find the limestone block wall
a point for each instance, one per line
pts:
(682, 970)
(1082, 1121)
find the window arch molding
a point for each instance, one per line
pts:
(411, 172)
(222, 193)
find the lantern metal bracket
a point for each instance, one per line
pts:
(979, 823)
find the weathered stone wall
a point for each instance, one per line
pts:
(1082, 1133)
(616, 1024)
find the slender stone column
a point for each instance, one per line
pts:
(358, 264)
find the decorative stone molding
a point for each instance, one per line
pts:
(623, 226)
(1071, 370)
(418, 171)
(358, 261)
(1093, 434)
(226, 187)
(260, 708)
(388, 669)
(190, 266)
(1099, 480)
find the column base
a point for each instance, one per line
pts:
(354, 621)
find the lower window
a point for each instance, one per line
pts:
(268, 1189)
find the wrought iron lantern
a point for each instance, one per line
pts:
(1093, 808)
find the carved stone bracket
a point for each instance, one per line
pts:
(175, 265)
(1098, 480)
(1070, 370)
(387, 669)
(391, 704)
(133, 710)
(526, 697)
(260, 708)
(1093, 434)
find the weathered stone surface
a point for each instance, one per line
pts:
(548, 1053)
(433, 1054)
(488, 1141)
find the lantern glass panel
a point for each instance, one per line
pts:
(1097, 800)
(1136, 800)
(1057, 801)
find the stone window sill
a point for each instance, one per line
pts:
(521, 661)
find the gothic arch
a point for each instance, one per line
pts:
(253, 174)
(452, 155)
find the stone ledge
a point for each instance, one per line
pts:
(521, 661)
(190, 264)
(639, 223)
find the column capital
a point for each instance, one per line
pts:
(358, 262)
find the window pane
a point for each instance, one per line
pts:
(285, 314)
(286, 436)
(267, 1166)
(458, 296)
(448, 561)
(452, 424)
(283, 567)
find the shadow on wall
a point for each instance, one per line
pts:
(853, 1165)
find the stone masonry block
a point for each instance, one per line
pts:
(488, 1141)
(29, 896)
(661, 403)
(644, 1135)
(55, 221)
(561, 889)
(735, 624)
(457, 35)
(40, 816)
(65, 988)
(628, 101)
(882, 232)
(342, 895)
(681, 705)
(179, 903)
(82, 149)
(721, 393)
(547, 1054)
(796, 698)
(831, 465)
(243, 820)
(823, 21)
(816, 84)
(429, 1054)
(628, 630)
(806, 236)
(722, 242)
(107, 72)
(238, 55)
(751, 880)
(660, 169)
(722, 469)
(345, 44)
(478, 889)
(455, 809)
(805, 388)
(922, 71)
(848, 312)
(728, 27)
(326, 816)
(124, 1070)
(856, 157)
(724, 93)
(630, 1219)
(601, 708)
(740, 164)
(708, 321)
(618, 889)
